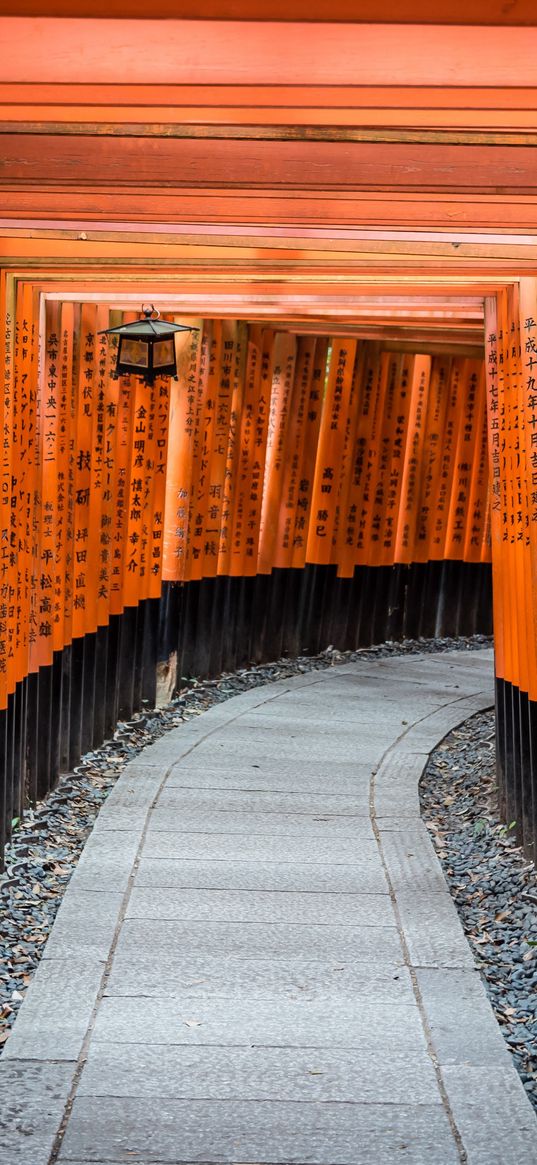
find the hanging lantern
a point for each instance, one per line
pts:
(146, 346)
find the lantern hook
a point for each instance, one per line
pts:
(150, 311)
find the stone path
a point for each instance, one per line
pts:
(257, 959)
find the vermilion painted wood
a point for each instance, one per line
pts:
(512, 120)
(484, 212)
(274, 96)
(408, 11)
(228, 52)
(37, 159)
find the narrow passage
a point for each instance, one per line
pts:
(257, 959)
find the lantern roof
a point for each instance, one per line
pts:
(149, 326)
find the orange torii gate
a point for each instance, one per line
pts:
(345, 206)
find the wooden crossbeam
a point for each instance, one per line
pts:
(484, 212)
(484, 12)
(253, 52)
(36, 159)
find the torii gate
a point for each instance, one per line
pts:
(319, 172)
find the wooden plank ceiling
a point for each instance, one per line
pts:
(319, 167)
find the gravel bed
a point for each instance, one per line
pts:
(46, 845)
(493, 884)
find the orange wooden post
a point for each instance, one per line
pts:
(63, 501)
(363, 539)
(478, 499)
(124, 449)
(294, 453)
(331, 441)
(400, 375)
(156, 515)
(343, 476)
(432, 456)
(380, 486)
(368, 383)
(198, 540)
(459, 501)
(106, 450)
(217, 448)
(306, 466)
(231, 473)
(506, 403)
(256, 474)
(442, 498)
(13, 521)
(7, 339)
(182, 438)
(281, 403)
(51, 548)
(70, 358)
(528, 406)
(84, 535)
(494, 421)
(246, 449)
(28, 450)
(522, 450)
(410, 482)
(134, 495)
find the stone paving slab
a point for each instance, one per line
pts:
(85, 926)
(410, 859)
(57, 1011)
(246, 940)
(478, 1041)
(396, 784)
(302, 909)
(432, 930)
(310, 849)
(319, 747)
(347, 1075)
(323, 825)
(177, 801)
(304, 710)
(424, 735)
(331, 1023)
(244, 1131)
(268, 774)
(295, 977)
(106, 863)
(32, 1103)
(495, 1120)
(260, 993)
(364, 876)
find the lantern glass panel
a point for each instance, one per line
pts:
(163, 353)
(134, 352)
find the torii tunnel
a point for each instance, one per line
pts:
(345, 209)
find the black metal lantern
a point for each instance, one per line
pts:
(146, 346)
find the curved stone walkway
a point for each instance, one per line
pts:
(257, 959)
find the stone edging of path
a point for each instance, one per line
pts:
(85, 931)
(472, 1062)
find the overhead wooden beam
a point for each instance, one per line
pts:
(483, 212)
(487, 12)
(504, 121)
(252, 52)
(418, 136)
(36, 159)
(303, 244)
(98, 118)
(122, 94)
